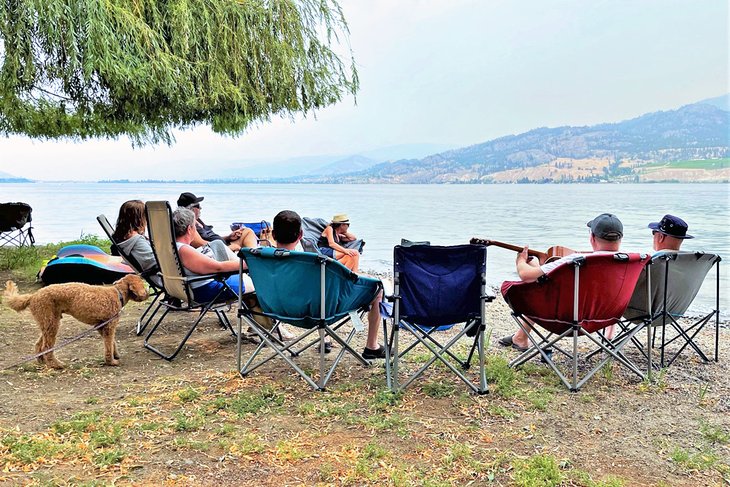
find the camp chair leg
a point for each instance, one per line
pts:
(427, 335)
(437, 355)
(170, 357)
(154, 306)
(266, 341)
(395, 387)
(689, 339)
(224, 321)
(388, 344)
(482, 367)
(612, 353)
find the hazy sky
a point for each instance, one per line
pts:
(454, 72)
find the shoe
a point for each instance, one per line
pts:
(507, 342)
(327, 346)
(250, 336)
(286, 335)
(369, 353)
(549, 353)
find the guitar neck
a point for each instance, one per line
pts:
(536, 253)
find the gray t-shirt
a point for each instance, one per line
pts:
(141, 250)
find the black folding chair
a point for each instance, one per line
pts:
(150, 275)
(15, 225)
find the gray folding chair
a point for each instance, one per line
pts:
(312, 229)
(176, 282)
(673, 280)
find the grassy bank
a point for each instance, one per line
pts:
(195, 421)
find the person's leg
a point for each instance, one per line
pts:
(352, 262)
(374, 323)
(247, 239)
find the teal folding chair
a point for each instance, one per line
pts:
(309, 291)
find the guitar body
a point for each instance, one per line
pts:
(556, 252)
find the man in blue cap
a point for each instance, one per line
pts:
(669, 233)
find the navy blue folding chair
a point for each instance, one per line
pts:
(434, 288)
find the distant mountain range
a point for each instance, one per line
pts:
(688, 144)
(9, 178)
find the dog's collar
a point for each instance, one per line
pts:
(121, 298)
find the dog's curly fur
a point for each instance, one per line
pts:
(89, 304)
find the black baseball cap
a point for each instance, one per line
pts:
(187, 199)
(607, 226)
(671, 225)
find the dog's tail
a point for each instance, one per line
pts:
(14, 300)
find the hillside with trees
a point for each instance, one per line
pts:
(646, 148)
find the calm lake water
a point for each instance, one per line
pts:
(538, 215)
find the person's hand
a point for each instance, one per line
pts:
(233, 236)
(523, 256)
(351, 252)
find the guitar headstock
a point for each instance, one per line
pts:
(479, 241)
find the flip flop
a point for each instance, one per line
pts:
(507, 342)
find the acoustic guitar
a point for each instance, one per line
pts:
(553, 253)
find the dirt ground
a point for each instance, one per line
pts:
(194, 421)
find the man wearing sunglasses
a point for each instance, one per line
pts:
(669, 233)
(242, 237)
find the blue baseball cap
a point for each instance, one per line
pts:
(671, 225)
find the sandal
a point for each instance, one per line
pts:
(507, 342)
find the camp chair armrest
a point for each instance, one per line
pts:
(221, 276)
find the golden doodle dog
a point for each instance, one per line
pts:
(89, 304)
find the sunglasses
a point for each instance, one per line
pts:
(195, 206)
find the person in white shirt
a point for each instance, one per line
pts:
(606, 232)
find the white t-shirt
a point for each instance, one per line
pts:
(545, 268)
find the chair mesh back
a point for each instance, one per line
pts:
(13, 216)
(162, 237)
(439, 285)
(605, 285)
(288, 286)
(687, 272)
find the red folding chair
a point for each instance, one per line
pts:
(579, 298)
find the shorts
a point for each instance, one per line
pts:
(207, 292)
(327, 252)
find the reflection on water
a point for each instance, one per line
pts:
(538, 215)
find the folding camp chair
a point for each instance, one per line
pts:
(13, 220)
(312, 229)
(673, 281)
(435, 287)
(150, 275)
(308, 291)
(579, 298)
(175, 281)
